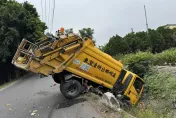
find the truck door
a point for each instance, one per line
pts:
(135, 90)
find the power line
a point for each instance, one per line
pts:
(49, 16)
(45, 13)
(42, 8)
(53, 15)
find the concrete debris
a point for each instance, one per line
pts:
(110, 100)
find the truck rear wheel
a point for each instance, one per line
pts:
(71, 89)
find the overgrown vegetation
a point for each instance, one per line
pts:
(17, 21)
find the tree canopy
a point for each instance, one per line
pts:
(17, 21)
(154, 41)
(87, 32)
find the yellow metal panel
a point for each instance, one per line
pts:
(43, 69)
(50, 57)
(38, 53)
(105, 56)
(54, 63)
(79, 72)
(71, 48)
(96, 68)
(102, 58)
(54, 44)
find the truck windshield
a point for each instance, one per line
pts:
(138, 84)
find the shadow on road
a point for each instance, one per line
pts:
(68, 103)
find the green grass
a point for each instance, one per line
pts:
(148, 113)
(161, 85)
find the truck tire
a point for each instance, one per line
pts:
(71, 89)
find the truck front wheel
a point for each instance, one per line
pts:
(71, 88)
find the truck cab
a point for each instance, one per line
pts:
(129, 85)
(135, 87)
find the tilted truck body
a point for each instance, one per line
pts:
(73, 62)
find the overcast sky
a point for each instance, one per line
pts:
(109, 17)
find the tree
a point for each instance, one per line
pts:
(68, 31)
(17, 21)
(133, 42)
(156, 41)
(169, 35)
(116, 45)
(87, 32)
(143, 41)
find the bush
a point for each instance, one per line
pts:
(137, 57)
(166, 57)
(138, 63)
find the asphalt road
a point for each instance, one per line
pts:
(37, 97)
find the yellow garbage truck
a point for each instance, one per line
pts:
(75, 62)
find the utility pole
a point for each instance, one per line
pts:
(146, 19)
(132, 30)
